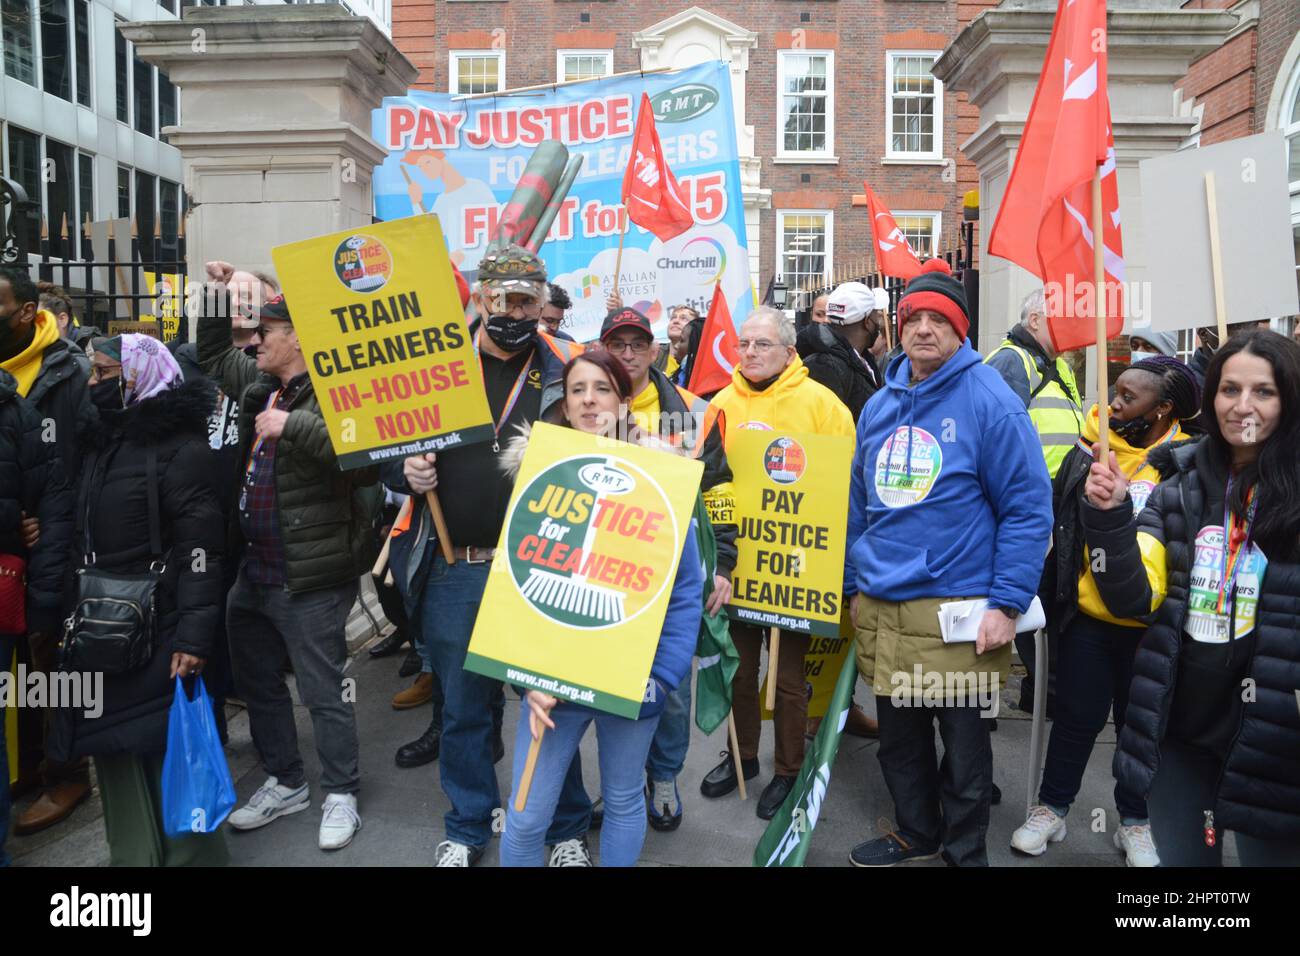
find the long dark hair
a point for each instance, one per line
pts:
(1277, 469)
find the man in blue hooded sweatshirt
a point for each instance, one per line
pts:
(949, 500)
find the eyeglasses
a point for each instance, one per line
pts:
(761, 346)
(97, 372)
(638, 346)
(262, 331)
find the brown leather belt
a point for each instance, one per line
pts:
(473, 555)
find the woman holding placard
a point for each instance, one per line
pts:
(597, 391)
(1212, 736)
(1095, 664)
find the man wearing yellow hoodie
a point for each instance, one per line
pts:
(771, 391)
(50, 378)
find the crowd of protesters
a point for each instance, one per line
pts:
(1168, 573)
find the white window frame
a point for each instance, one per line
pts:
(822, 154)
(90, 53)
(455, 56)
(890, 152)
(561, 54)
(935, 234)
(829, 216)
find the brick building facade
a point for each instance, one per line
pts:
(803, 188)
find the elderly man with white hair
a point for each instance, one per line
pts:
(771, 390)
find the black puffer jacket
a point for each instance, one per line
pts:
(32, 481)
(113, 492)
(831, 361)
(59, 394)
(1259, 787)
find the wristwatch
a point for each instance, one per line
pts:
(1010, 612)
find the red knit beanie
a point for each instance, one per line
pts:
(935, 289)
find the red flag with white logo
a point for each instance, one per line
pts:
(1045, 221)
(651, 194)
(719, 350)
(893, 254)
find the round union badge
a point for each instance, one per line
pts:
(588, 539)
(785, 461)
(362, 263)
(907, 466)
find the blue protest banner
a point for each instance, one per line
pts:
(462, 157)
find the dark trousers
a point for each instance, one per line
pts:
(791, 716)
(272, 629)
(1096, 670)
(962, 784)
(1184, 788)
(34, 725)
(7, 642)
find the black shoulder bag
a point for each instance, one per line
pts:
(113, 626)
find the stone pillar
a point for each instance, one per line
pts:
(275, 121)
(996, 61)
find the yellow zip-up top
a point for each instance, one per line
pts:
(794, 402)
(1142, 480)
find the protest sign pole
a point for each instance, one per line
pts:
(1099, 281)
(735, 753)
(773, 656)
(382, 560)
(440, 525)
(1216, 257)
(618, 260)
(530, 764)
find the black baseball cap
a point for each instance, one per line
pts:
(625, 318)
(275, 309)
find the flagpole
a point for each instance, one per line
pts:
(773, 658)
(1099, 283)
(618, 260)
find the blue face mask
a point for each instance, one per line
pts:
(1139, 356)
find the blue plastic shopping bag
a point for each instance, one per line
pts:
(197, 792)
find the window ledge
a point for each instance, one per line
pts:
(805, 160)
(902, 161)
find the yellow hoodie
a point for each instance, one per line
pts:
(26, 365)
(1142, 480)
(794, 402)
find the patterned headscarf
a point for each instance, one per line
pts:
(148, 368)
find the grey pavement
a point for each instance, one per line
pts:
(402, 810)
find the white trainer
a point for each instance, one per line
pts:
(451, 853)
(270, 802)
(1041, 827)
(340, 821)
(570, 853)
(1138, 847)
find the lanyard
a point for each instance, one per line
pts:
(511, 399)
(257, 443)
(1233, 533)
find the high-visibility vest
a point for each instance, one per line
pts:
(1055, 411)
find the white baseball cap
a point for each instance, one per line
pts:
(849, 303)
(882, 299)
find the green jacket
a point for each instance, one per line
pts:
(326, 515)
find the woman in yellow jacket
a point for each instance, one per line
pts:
(771, 391)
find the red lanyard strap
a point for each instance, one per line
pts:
(1236, 543)
(257, 442)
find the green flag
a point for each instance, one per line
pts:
(786, 839)
(718, 656)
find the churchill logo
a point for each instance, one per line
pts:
(683, 103)
(706, 256)
(586, 540)
(362, 263)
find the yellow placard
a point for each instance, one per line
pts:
(792, 506)
(168, 302)
(821, 668)
(584, 570)
(384, 335)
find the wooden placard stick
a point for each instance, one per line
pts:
(618, 260)
(1216, 258)
(773, 657)
(530, 765)
(440, 525)
(382, 560)
(1099, 283)
(735, 753)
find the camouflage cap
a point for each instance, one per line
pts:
(511, 264)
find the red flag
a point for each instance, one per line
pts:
(718, 353)
(1045, 222)
(894, 255)
(651, 194)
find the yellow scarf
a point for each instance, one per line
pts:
(26, 365)
(645, 409)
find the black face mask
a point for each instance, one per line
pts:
(107, 395)
(513, 335)
(1133, 431)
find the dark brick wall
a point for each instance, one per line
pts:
(858, 30)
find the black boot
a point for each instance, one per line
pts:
(389, 645)
(774, 795)
(721, 780)
(422, 750)
(411, 664)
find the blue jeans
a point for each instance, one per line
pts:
(6, 658)
(1096, 668)
(668, 749)
(448, 607)
(622, 745)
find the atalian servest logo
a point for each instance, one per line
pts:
(581, 537)
(785, 461)
(907, 467)
(363, 263)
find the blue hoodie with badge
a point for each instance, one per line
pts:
(949, 495)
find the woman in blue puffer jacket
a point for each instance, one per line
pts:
(595, 386)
